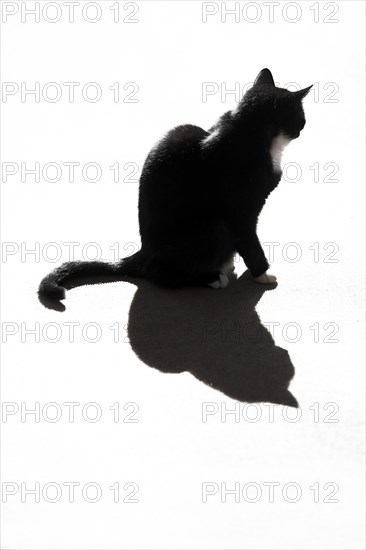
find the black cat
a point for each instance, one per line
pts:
(201, 193)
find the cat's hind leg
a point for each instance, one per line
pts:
(177, 271)
(221, 279)
(228, 267)
(214, 279)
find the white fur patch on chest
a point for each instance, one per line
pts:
(277, 147)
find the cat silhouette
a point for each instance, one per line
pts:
(201, 193)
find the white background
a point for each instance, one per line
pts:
(170, 52)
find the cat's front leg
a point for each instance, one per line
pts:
(250, 249)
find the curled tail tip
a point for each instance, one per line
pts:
(50, 295)
(51, 291)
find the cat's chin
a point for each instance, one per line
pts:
(266, 279)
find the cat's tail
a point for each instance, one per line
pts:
(71, 274)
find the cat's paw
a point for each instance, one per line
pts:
(266, 279)
(221, 282)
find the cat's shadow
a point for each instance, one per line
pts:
(216, 335)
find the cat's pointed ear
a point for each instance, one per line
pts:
(300, 94)
(264, 78)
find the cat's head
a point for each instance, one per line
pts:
(281, 107)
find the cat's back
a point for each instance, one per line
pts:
(185, 134)
(179, 145)
(172, 173)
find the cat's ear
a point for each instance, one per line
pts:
(300, 94)
(283, 397)
(264, 78)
